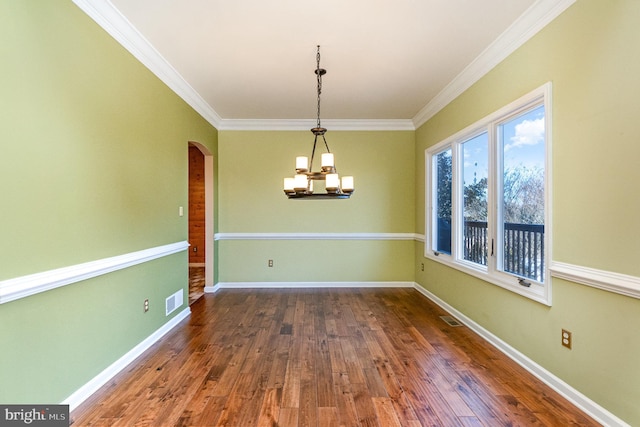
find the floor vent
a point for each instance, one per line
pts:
(173, 302)
(451, 321)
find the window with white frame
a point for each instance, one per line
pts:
(488, 197)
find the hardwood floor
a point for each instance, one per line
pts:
(323, 357)
(196, 283)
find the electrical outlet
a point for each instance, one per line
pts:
(422, 267)
(270, 263)
(566, 339)
(146, 305)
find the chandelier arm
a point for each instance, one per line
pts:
(325, 143)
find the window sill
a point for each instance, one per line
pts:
(538, 293)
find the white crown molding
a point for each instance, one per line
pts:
(606, 280)
(306, 124)
(119, 27)
(540, 14)
(585, 404)
(528, 24)
(24, 286)
(317, 236)
(116, 367)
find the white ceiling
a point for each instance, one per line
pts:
(253, 60)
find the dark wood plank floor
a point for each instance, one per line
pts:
(196, 283)
(323, 357)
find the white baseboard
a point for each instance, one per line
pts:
(585, 404)
(211, 289)
(277, 285)
(111, 371)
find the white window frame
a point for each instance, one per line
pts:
(537, 291)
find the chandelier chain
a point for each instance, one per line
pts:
(319, 78)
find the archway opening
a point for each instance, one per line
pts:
(201, 212)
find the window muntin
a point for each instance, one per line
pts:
(511, 143)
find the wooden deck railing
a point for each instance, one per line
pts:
(523, 243)
(524, 250)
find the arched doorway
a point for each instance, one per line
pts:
(201, 257)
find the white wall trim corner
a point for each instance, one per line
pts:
(24, 286)
(585, 404)
(118, 26)
(606, 280)
(112, 370)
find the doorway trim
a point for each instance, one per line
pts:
(208, 212)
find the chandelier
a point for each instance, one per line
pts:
(301, 185)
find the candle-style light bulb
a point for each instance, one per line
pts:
(347, 184)
(328, 163)
(333, 183)
(288, 185)
(300, 183)
(302, 164)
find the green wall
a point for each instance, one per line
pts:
(317, 260)
(93, 164)
(251, 172)
(590, 55)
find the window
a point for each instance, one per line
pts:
(475, 174)
(443, 201)
(488, 198)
